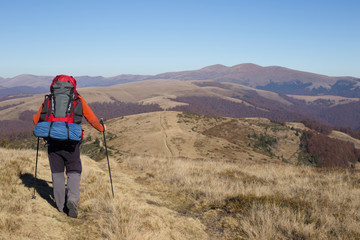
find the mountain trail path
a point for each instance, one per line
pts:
(178, 139)
(164, 128)
(156, 134)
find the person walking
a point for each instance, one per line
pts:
(65, 155)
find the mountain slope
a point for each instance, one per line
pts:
(195, 136)
(159, 91)
(203, 97)
(184, 176)
(15, 91)
(273, 78)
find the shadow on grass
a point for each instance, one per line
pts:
(42, 187)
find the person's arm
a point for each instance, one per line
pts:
(90, 116)
(37, 115)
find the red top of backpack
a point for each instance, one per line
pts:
(64, 78)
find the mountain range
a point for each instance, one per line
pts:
(272, 78)
(215, 90)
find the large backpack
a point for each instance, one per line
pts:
(62, 113)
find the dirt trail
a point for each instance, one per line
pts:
(180, 141)
(163, 124)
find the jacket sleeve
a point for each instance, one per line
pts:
(90, 116)
(37, 115)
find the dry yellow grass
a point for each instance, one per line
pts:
(278, 200)
(131, 215)
(169, 186)
(261, 201)
(344, 137)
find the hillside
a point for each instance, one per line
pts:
(202, 97)
(273, 78)
(200, 137)
(187, 135)
(185, 176)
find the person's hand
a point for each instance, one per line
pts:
(102, 123)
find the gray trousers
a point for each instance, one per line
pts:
(63, 157)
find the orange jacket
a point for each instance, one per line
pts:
(87, 113)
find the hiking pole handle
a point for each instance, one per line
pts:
(102, 123)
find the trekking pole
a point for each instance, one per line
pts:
(37, 154)
(107, 156)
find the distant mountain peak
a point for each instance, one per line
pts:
(216, 67)
(247, 66)
(243, 66)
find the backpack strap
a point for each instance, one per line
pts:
(68, 131)
(50, 128)
(45, 113)
(52, 104)
(77, 110)
(70, 107)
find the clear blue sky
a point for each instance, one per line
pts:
(108, 38)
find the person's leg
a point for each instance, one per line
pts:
(58, 178)
(73, 172)
(73, 187)
(73, 195)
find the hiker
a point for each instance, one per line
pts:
(65, 154)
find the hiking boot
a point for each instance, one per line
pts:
(72, 209)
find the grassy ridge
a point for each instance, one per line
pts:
(245, 185)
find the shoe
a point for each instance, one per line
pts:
(72, 209)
